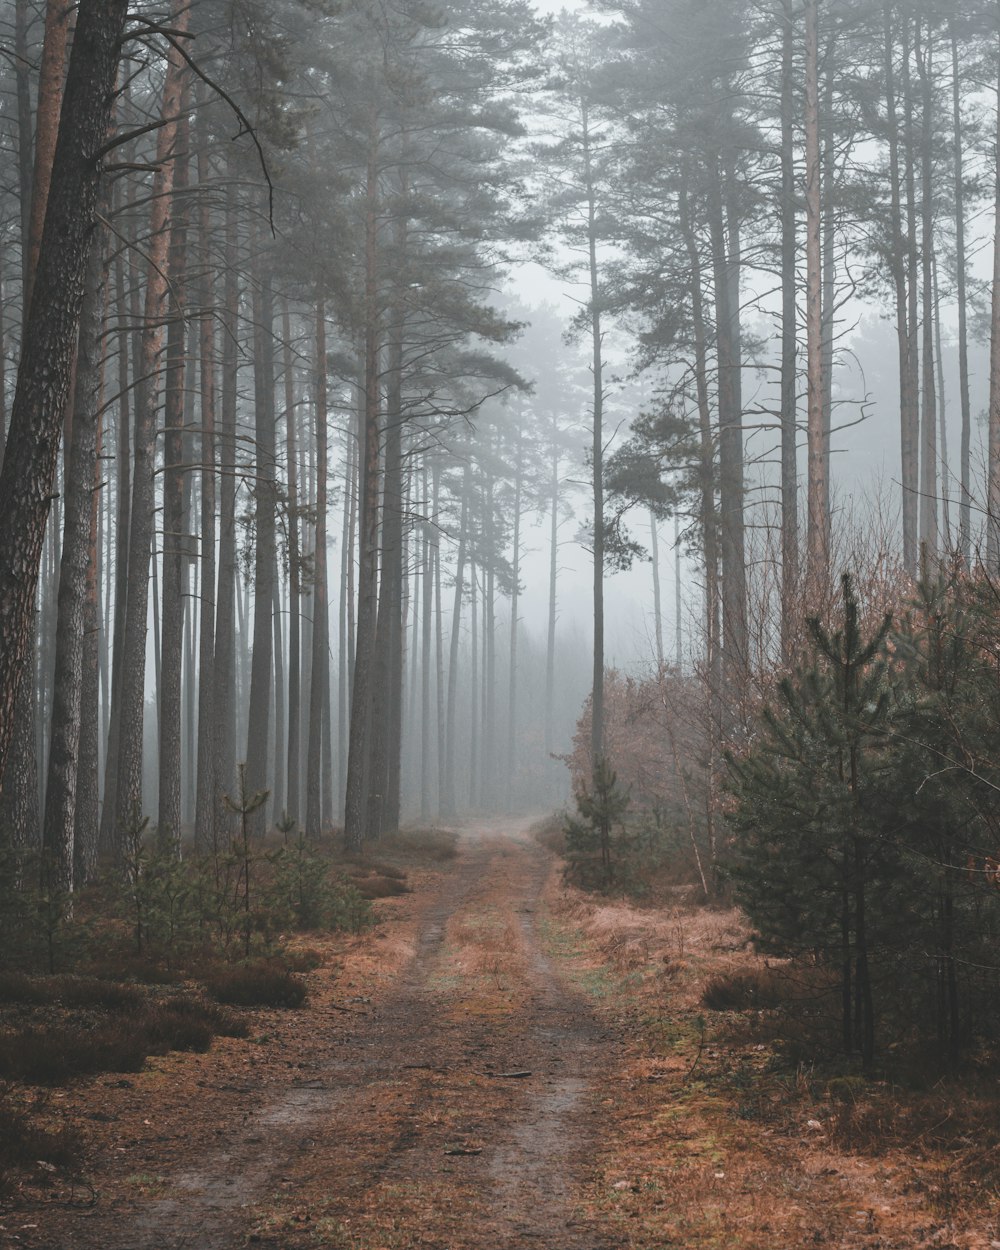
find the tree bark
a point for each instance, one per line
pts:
(789, 344)
(965, 504)
(358, 748)
(174, 542)
(265, 551)
(993, 441)
(78, 521)
(43, 383)
(929, 528)
(294, 765)
(818, 531)
(128, 801)
(319, 683)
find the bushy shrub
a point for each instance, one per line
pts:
(56, 1054)
(24, 1141)
(259, 984)
(744, 991)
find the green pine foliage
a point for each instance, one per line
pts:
(593, 836)
(865, 817)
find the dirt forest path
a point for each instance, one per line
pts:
(458, 1109)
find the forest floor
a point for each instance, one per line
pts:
(505, 1063)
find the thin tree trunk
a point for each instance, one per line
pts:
(448, 804)
(294, 766)
(63, 761)
(654, 556)
(929, 532)
(205, 793)
(514, 601)
(912, 277)
(993, 464)
(265, 553)
(789, 343)
(597, 454)
(128, 800)
(897, 263)
(818, 533)
(319, 672)
(357, 759)
(224, 698)
(965, 504)
(174, 544)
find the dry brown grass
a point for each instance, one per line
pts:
(714, 1139)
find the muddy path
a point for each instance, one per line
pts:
(459, 1108)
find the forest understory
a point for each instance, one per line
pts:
(503, 1061)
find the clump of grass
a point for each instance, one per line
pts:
(256, 985)
(551, 833)
(379, 885)
(758, 989)
(434, 844)
(54, 1055)
(24, 1141)
(69, 991)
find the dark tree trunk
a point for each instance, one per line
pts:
(78, 536)
(448, 805)
(388, 633)
(265, 552)
(319, 683)
(205, 785)
(897, 262)
(789, 344)
(128, 801)
(43, 381)
(358, 749)
(294, 577)
(174, 542)
(929, 526)
(965, 503)
(224, 674)
(733, 560)
(514, 600)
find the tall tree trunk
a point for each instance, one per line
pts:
(43, 384)
(319, 684)
(294, 768)
(596, 451)
(474, 747)
(358, 753)
(514, 601)
(993, 442)
(265, 551)
(818, 533)
(47, 110)
(205, 785)
(550, 640)
(654, 556)
(174, 543)
(224, 674)
(63, 762)
(897, 247)
(789, 341)
(128, 800)
(426, 743)
(733, 559)
(912, 273)
(448, 804)
(929, 533)
(345, 656)
(965, 504)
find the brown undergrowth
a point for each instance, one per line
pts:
(152, 1071)
(719, 1136)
